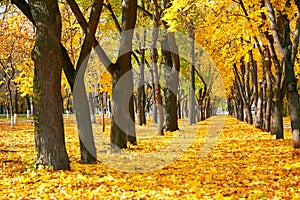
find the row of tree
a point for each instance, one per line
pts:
(67, 42)
(255, 46)
(250, 42)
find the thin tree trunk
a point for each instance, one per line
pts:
(16, 110)
(192, 103)
(141, 89)
(269, 90)
(28, 106)
(154, 58)
(91, 108)
(259, 110)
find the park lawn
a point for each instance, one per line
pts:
(235, 162)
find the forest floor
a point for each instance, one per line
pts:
(220, 158)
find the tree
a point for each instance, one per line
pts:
(81, 103)
(15, 59)
(119, 135)
(49, 130)
(154, 59)
(287, 50)
(68, 67)
(123, 130)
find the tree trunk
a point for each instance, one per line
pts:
(269, 90)
(154, 59)
(16, 110)
(171, 88)
(174, 80)
(207, 108)
(241, 90)
(293, 100)
(158, 98)
(91, 108)
(253, 70)
(48, 106)
(277, 118)
(10, 98)
(287, 50)
(141, 86)
(81, 103)
(192, 103)
(102, 110)
(123, 121)
(259, 110)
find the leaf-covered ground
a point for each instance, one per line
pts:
(236, 162)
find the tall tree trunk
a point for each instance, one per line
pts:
(241, 90)
(171, 88)
(192, 103)
(253, 70)
(154, 58)
(277, 118)
(174, 81)
(122, 121)
(155, 118)
(269, 89)
(141, 89)
(48, 106)
(10, 100)
(287, 50)
(81, 103)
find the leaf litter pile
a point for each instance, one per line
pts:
(220, 158)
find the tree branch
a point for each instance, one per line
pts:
(109, 8)
(25, 8)
(296, 37)
(68, 67)
(146, 12)
(274, 28)
(84, 26)
(90, 35)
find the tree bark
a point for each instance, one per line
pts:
(171, 88)
(28, 106)
(68, 67)
(154, 59)
(277, 116)
(91, 108)
(247, 105)
(192, 103)
(81, 103)
(141, 86)
(123, 130)
(49, 130)
(288, 51)
(269, 89)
